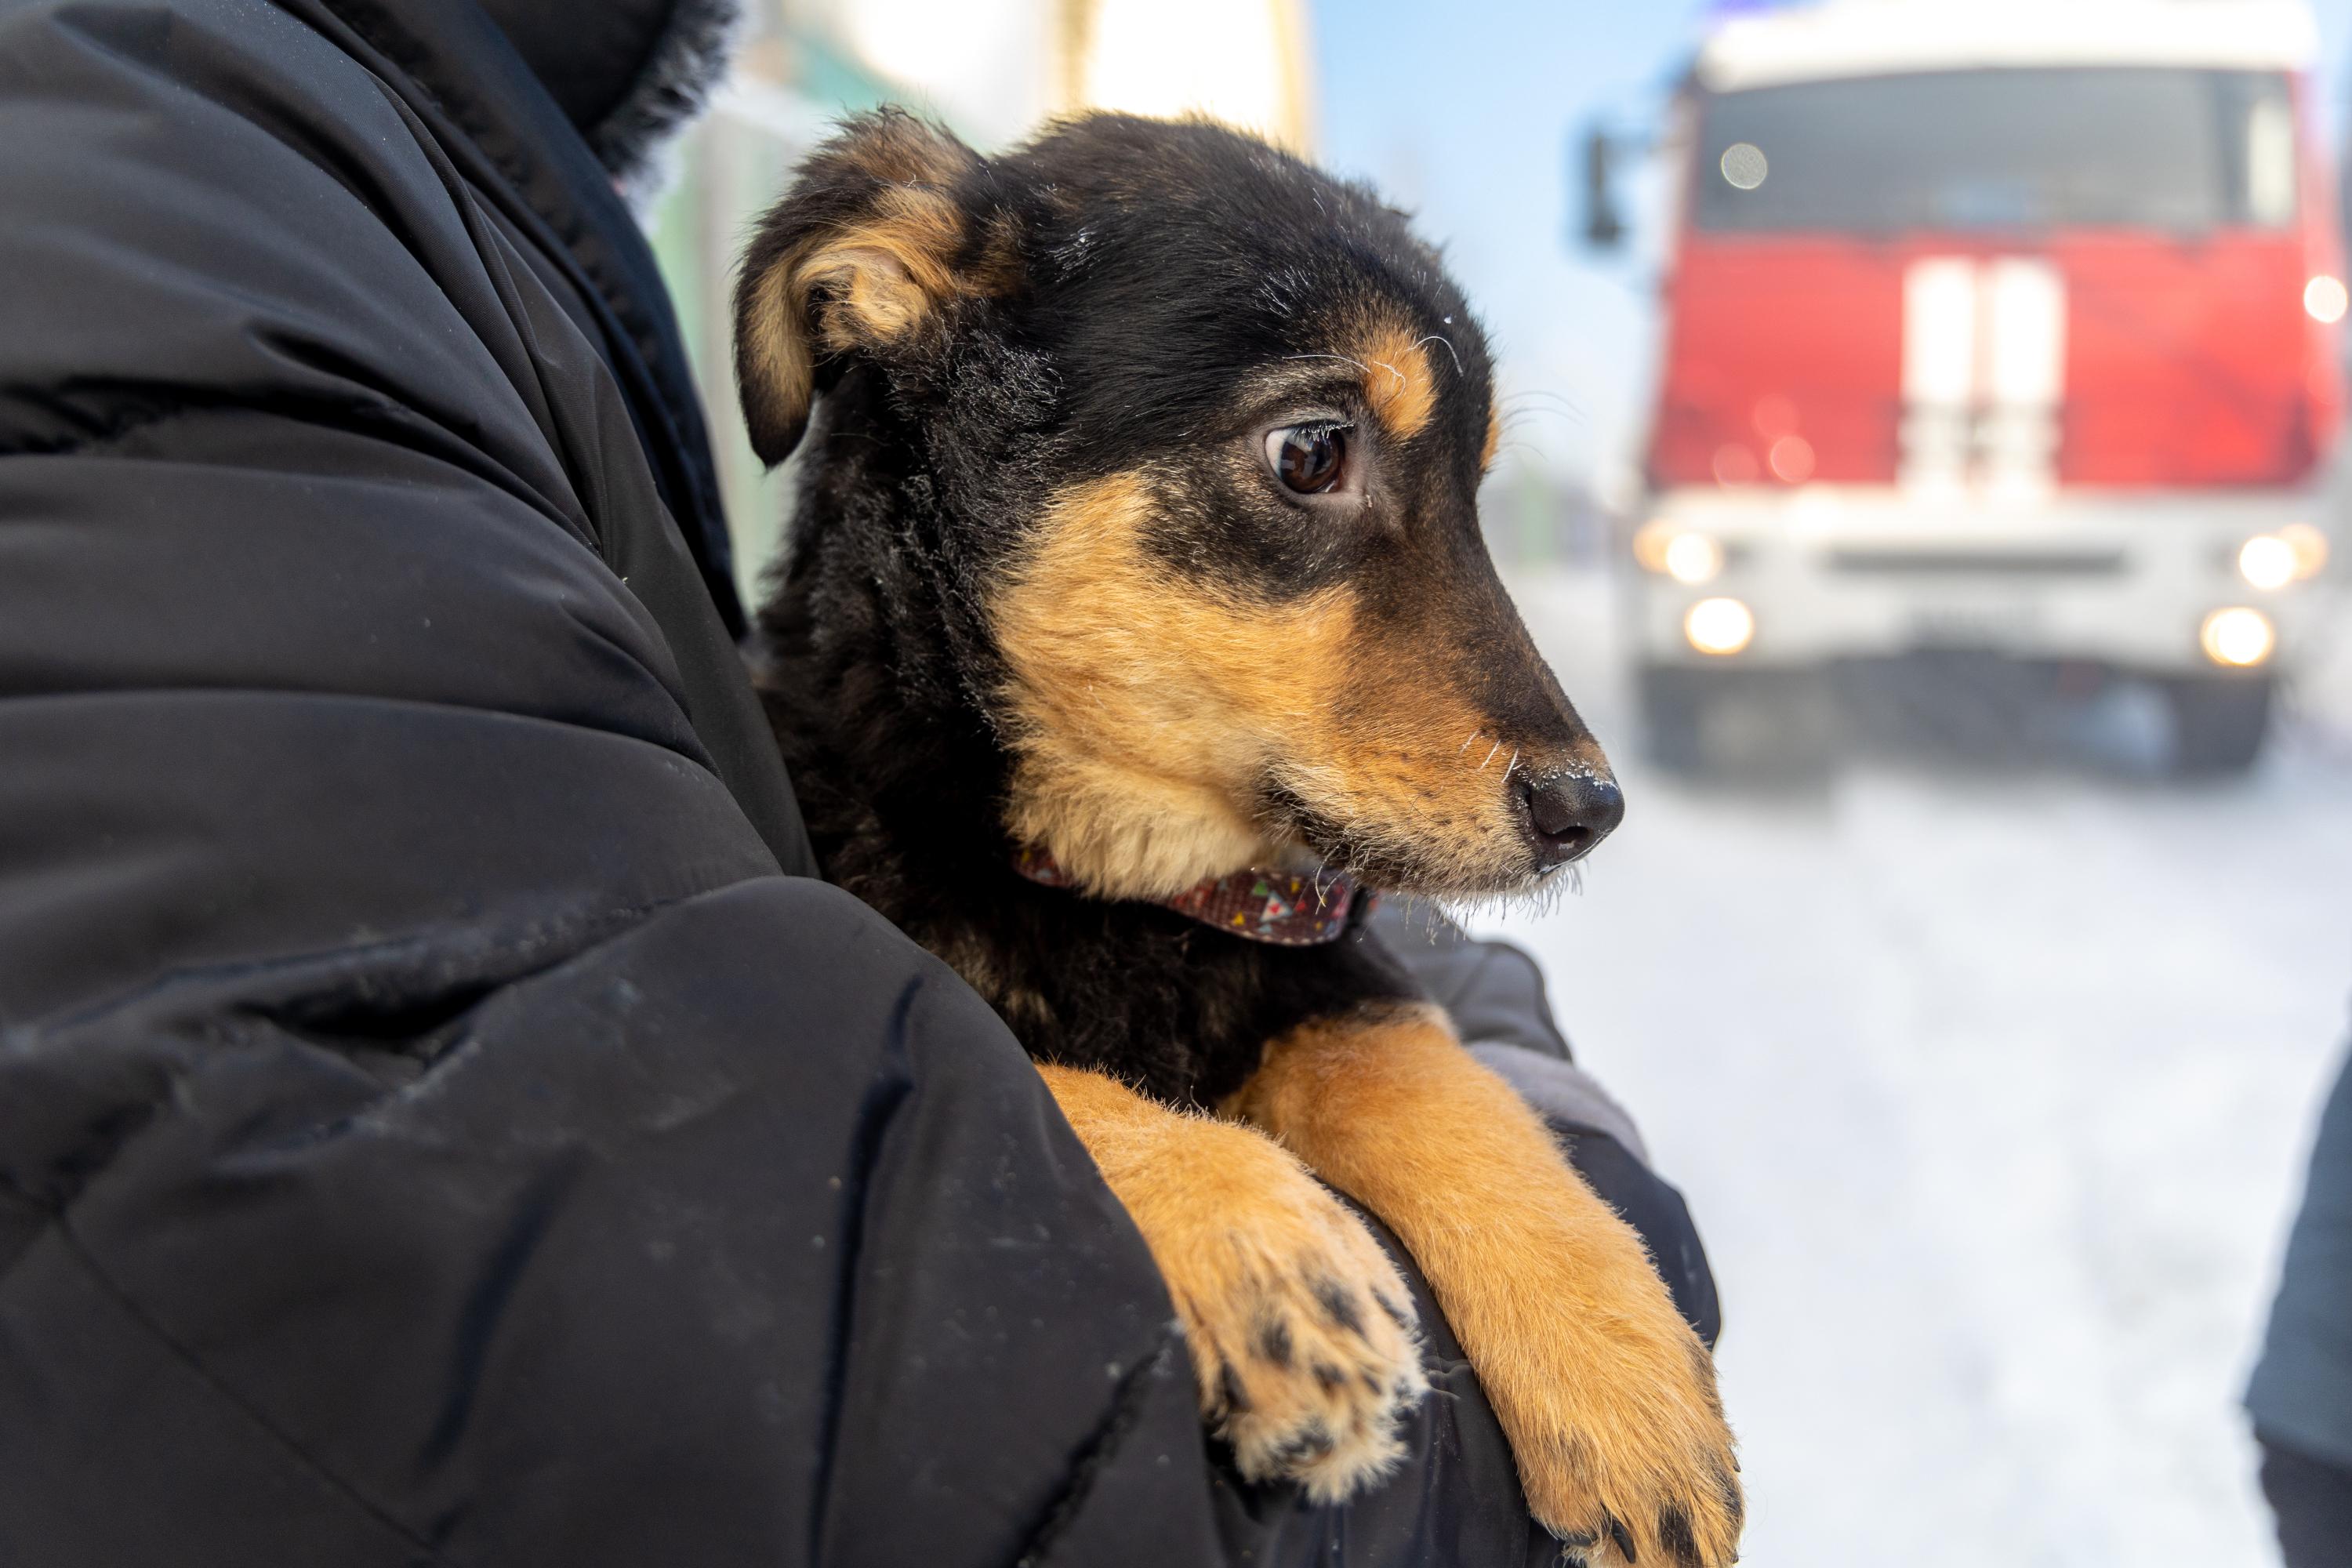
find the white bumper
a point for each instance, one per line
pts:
(1835, 572)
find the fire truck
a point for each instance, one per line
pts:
(1999, 327)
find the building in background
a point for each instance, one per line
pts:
(992, 70)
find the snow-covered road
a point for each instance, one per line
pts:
(1991, 1087)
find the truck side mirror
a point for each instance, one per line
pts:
(1604, 229)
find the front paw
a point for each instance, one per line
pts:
(1620, 1434)
(1300, 1328)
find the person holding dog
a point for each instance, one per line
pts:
(442, 1116)
(2301, 1394)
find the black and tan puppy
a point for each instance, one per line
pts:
(1136, 617)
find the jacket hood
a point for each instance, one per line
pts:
(556, 109)
(628, 74)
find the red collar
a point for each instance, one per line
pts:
(1289, 909)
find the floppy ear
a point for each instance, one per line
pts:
(866, 252)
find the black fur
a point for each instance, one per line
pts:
(1145, 279)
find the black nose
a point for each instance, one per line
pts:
(1569, 812)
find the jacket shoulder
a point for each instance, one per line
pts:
(214, 206)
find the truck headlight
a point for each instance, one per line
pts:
(1693, 558)
(1722, 627)
(1685, 554)
(2325, 298)
(2238, 637)
(2267, 561)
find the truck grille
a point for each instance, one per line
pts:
(1980, 563)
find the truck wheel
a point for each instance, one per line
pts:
(1673, 716)
(2218, 724)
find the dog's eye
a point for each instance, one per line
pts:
(1309, 459)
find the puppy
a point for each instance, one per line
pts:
(1136, 623)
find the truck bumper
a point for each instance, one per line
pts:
(1834, 573)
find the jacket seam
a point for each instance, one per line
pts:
(699, 760)
(481, 134)
(128, 417)
(301, 1457)
(89, 1160)
(1100, 1449)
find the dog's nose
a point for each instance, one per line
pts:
(1569, 812)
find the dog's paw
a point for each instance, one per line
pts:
(1620, 1434)
(1606, 1395)
(1300, 1328)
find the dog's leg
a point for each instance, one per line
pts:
(1607, 1395)
(1299, 1329)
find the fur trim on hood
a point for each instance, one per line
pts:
(628, 74)
(671, 90)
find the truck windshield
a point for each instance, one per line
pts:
(2179, 150)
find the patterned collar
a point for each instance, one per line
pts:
(1288, 908)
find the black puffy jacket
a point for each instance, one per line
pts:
(441, 1121)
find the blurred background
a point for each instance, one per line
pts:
(1922, 468)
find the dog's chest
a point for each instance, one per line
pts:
(1150, 996)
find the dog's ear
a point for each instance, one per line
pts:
(873, 244)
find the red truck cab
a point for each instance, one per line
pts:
(2006, 328)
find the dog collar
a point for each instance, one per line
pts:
(1288, 908)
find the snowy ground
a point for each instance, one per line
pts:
(1991, 1086)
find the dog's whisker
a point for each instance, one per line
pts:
(1442, 338)
(1561, 407)
(1343, 359)
(1490, 756)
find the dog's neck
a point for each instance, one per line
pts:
(871, 654)
(1285, 906)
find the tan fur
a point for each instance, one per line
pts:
(1494, 439)
(1397, 378)
(1608, 1397)
(777, 357)
(884, 276)
(1258, 1257)
(1145, 704)
(869, 283)
(1148, 711)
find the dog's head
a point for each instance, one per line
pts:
(1201, 432)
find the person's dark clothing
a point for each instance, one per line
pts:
(2302, 1387)
(1491, 991)
(2312, 1500)
(2301, 1395)
(441, 1121)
